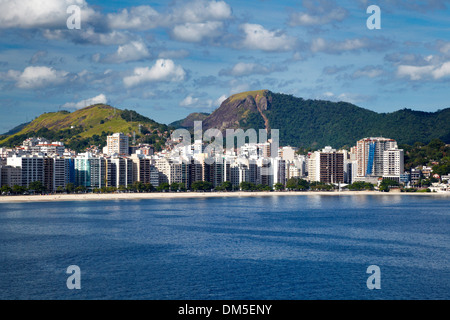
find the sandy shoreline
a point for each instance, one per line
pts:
(174, 195)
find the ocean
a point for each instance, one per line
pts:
(314, 247)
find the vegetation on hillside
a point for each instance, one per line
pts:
(90, 127)
(317, 123)
(435, 154)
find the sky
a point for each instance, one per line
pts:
(166, 59)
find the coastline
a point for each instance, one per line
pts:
(181, 195)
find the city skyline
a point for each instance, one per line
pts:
(168, 60)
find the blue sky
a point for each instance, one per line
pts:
(168, 59)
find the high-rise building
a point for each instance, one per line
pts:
(370, 155)
(49, 173)
(11, 176)
(313, 164)
(32, 168)
(90, 171)
(119, 172)
(393, 162)
(98, 172)
(117, 144)
(279, 170)
(331, 166)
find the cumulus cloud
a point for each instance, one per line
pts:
(34, 77)
(199, 11)
(101, 98)
(318, 13)
(195, 102)
(189, 101)
(133, 51)
(432, 71)
(410, 5)
(162, 70)
(259, 38)
(349, 45)
(368, 71)
(245, 69)
(346, 97)
(140, 18)
(199, 17)
(219, 100)
(196, 32)
(40, 13)
(173, 54)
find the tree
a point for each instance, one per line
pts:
(279, 186)
(80, 189)
(139, 186)
(292, 184)
(70, 187)
(5, 189)
(225, 186)
(201, 186)
(16, 189)
(60, 189)
(37, 186)
(163, 187)
(149, 187)
(360, 185)
(174, 186)
(386, 184)
(247, 186)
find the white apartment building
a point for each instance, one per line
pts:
(117, 144)
(32, 168)
(393, 162)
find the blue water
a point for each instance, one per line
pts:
(296, 247)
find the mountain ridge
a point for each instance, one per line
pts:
(87, 126)
(317, 123)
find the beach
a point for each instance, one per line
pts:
(175, 195)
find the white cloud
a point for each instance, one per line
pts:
(199, 11)
(173, 54)
(245, 69)
(259, 38)
(193, 102)
(37, 77)
(101, 98)
(219, 100)
(346, 97)
(322, 45)
(133, 51)
(442, 70)
(89, 35)
(140, 18)
(196, 32)
(242, 68)
(162, 70)
(318, 16)
(433, 71)
(40, 13)
(189, 101)
(193, 15)
(369, 71)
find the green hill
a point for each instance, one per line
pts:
(317, 123)
(89, 126)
